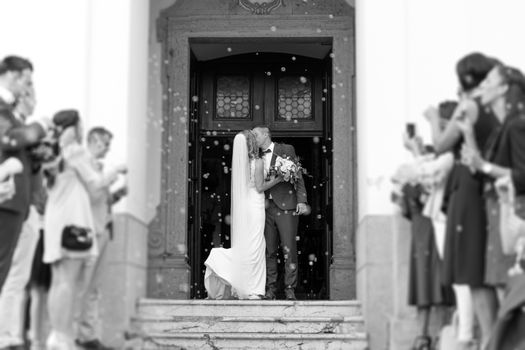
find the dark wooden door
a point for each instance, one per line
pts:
(289, 94)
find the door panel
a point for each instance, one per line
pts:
(257, 90)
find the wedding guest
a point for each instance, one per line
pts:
(98, 145)
(15, 138)
(13, 296)
(422, 185)
(466, 232)
(70, 185)
(503, 91)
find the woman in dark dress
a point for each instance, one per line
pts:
(504, 91)
(425, 289)
(424, 284)
(466, 233)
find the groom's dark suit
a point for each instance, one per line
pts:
(281, 222)
(15, 137)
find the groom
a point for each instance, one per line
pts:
(286, 203)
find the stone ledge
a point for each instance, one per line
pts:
(207, 302)
(199, 335)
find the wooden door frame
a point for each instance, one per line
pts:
(186, 21)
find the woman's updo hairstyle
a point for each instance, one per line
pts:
(472, 69)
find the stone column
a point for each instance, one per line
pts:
(342, 271)
(168, 270)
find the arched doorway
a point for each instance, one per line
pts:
(289, 93)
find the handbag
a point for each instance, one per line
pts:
(511, 225)
(76, 238)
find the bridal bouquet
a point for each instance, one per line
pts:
(290, 169)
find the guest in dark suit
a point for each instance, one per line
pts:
(15, 138)
(285, 203)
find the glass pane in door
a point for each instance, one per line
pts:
(294, 98)
(233, 97)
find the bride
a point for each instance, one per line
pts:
(240, 272)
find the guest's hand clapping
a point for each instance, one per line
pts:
(431, 114)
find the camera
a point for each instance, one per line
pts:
(47, 150)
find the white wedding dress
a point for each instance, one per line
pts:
(241, 270)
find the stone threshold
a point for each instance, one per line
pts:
(251, 318)
(260, 336)
(209, 302)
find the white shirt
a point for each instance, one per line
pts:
(268, 158)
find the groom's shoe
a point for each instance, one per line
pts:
(270, 295)
(289, 294)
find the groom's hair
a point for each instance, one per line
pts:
(265, 128)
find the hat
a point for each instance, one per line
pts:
(66, 118)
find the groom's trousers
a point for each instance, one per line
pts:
(281, 225)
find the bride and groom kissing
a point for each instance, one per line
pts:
(265, 209)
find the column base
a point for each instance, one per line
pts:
(169, 278)
(342, 279)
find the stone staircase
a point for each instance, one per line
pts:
(247, 324)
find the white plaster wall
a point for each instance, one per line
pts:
(406, 55)
(90, 55)
(53, 35)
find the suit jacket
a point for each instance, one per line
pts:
(15, 137)
(284, 194)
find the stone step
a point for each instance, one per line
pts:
(237, 341)
(250, 324)
(160, 308)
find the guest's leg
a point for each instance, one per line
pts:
(13, 296)
(287, 224)
(38, 326)
(465, 311)
(272, 245)
(89, 295)
(62, 295)
(424, 315)
(486, 308)
(10, 228)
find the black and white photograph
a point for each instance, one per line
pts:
(262, 174)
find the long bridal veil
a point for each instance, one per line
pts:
(239, 188)
(241, 270)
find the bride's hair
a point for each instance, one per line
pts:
(253, 149)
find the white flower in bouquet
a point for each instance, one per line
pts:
(290, 169)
